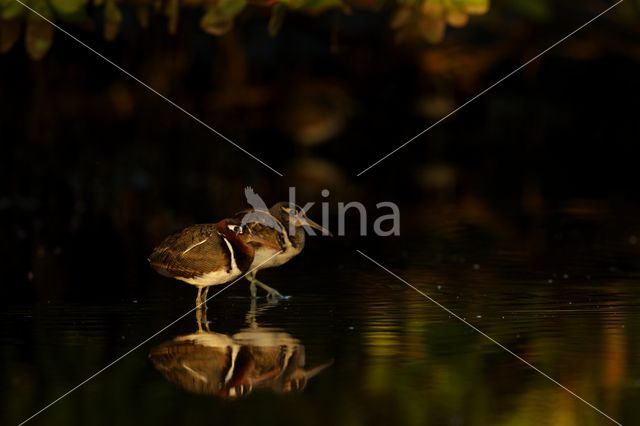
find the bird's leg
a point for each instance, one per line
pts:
(271, 292)
(252, 286)
(199, 298)
(199, 309)
(199, 318)
(204, 297)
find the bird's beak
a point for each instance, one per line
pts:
(309, 222)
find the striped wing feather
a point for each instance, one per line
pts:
(262, 229)
(192, 252)
(267, 233)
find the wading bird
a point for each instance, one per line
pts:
(283, 227)
(209, 254)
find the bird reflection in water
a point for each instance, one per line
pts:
(206, 362)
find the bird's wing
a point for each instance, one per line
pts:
(252, 218)
(268, 232)
(190, 252)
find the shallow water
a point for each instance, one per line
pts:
(561, 293)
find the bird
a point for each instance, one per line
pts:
(287, 234)
(208, 254)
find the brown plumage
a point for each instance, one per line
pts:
(195, 251)
(207, 254)
(283, 227)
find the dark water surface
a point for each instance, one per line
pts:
(560, 290)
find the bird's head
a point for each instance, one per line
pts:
(239, 233)
(294, 216)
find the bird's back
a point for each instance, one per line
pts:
(266, 257)
(191, 252)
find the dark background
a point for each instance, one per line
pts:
(533, 181)
(96, 169)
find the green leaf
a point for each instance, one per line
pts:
(215, 24)
(39, 34)
(538, 10)
(313, 5)
(112, 20)
(11, 9)
(293, 4)
(231, 8)
(218, 18)
(277, 18)
(474, 7)
(67, 7)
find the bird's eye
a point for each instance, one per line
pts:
(235, 228)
